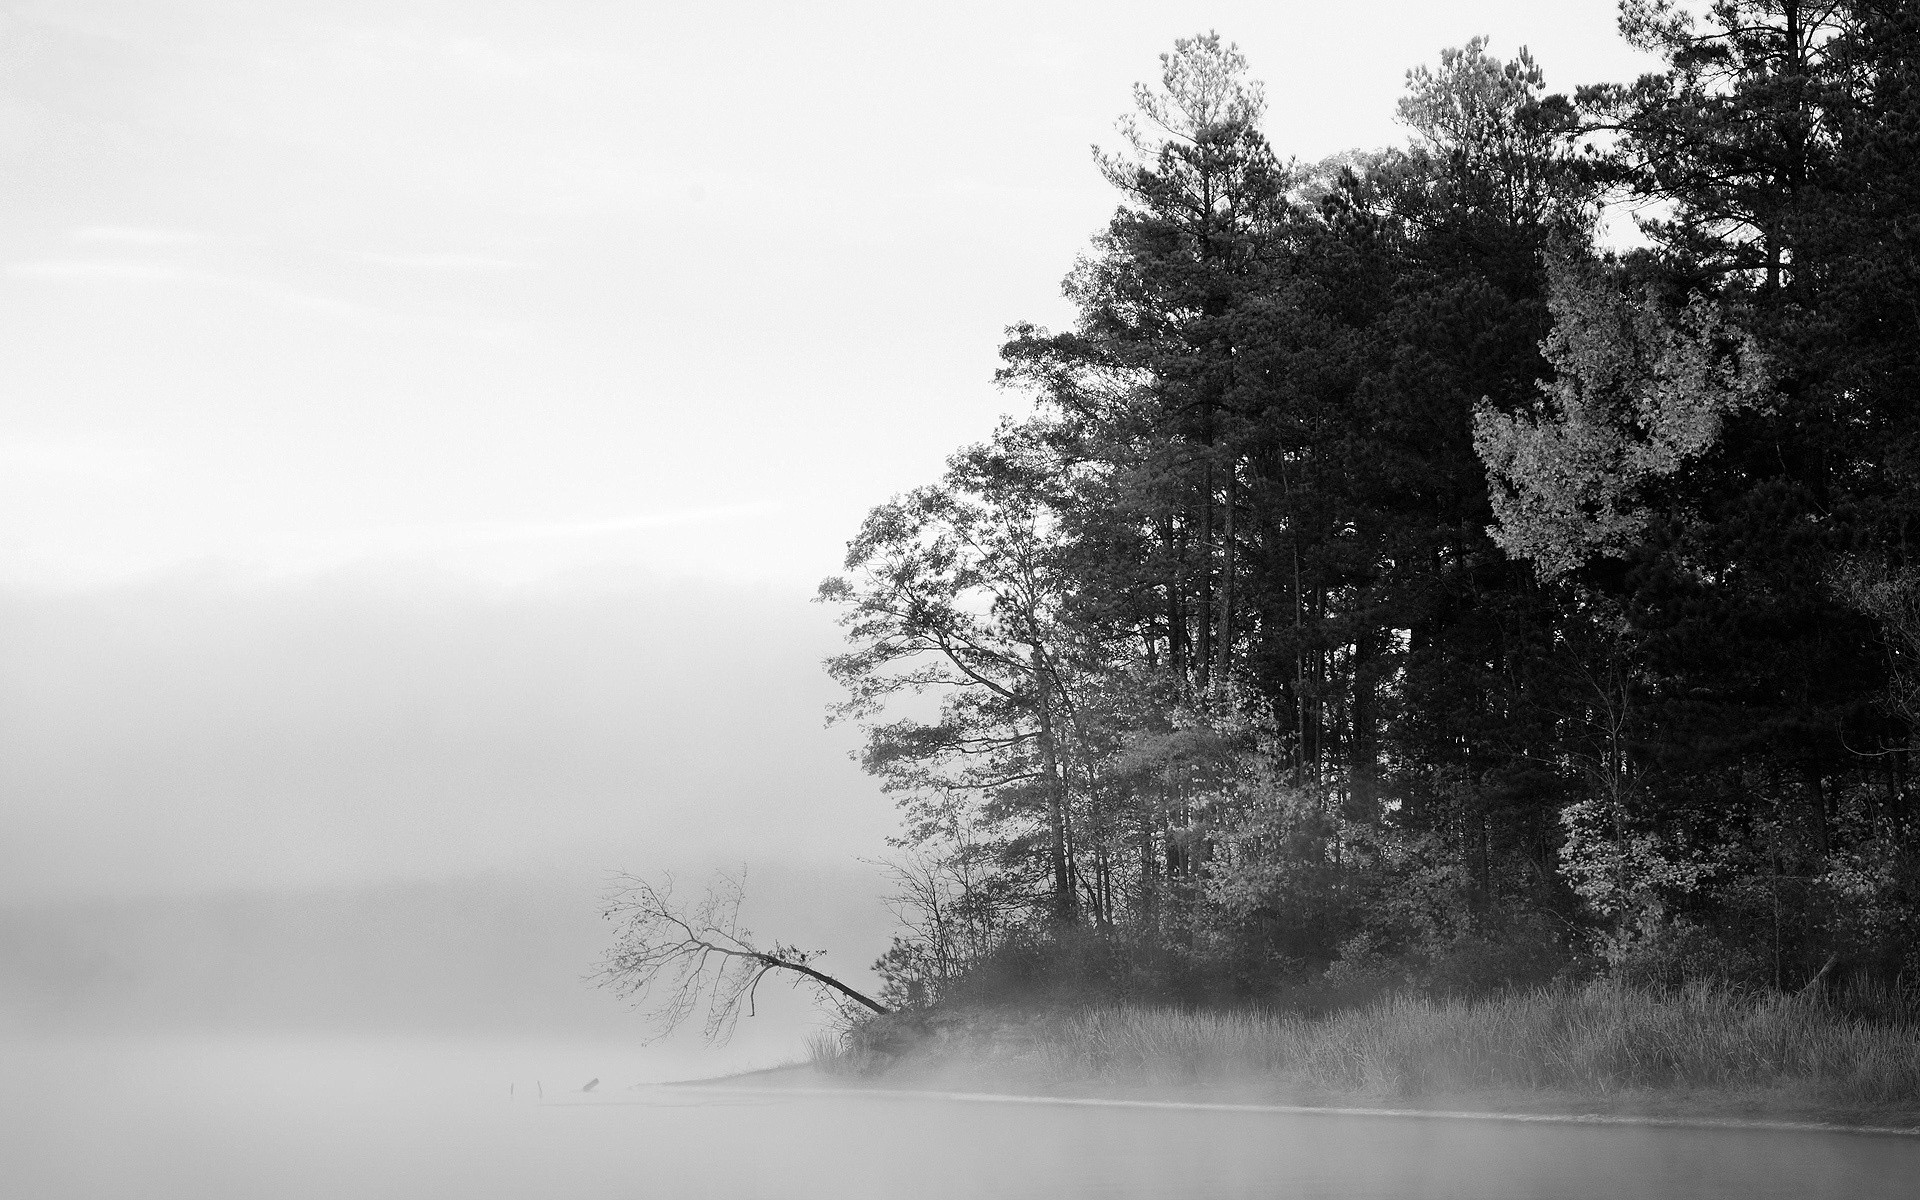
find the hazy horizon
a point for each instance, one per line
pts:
(426, 423)
(501, 955)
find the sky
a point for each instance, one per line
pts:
(423, 423)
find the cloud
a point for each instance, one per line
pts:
(125, 235)
(555, 530)
(44, 460)
(501, 552)
(63, 270)
(126, 271)
(481, 56)
(444, 262)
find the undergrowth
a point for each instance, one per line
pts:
(1603, 1039)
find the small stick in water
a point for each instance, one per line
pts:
(591, 1084)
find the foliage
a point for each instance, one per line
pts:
(1637, 393)
(1395, 588)
(1598, 1043)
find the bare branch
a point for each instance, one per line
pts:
(680, 958)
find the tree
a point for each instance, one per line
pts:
(959, 588)
(1149, 378)
(1268, 406)
(1496, 158)
(684, 958)
(953, 911)
(1738, 134)
(1388, 567)
(1638, 393)
(1780, 148)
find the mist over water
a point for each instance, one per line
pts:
(497, 955)
(216, 1117)
(434, 1040)
(430, 1037)
(348, 1040)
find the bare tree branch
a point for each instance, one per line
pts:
(680, 958)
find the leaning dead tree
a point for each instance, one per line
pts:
(681, 957)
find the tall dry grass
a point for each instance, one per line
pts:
(1601, 1040)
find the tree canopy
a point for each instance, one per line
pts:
(1395, 579)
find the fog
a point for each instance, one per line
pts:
(300, 1118)
(197, 733)
(434, 1038)
(388, 797)
(502, 955)
(290, 858)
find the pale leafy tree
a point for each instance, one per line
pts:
(1638, 393)
(1628, 878)
(1622, 875)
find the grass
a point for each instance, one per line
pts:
(1703, 1049)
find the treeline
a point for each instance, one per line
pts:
(1400, 583)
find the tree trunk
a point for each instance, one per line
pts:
(1065, 904)
(1176, 600)
(826, 979)
(1223, 650)
(1203, 653)
(1363, 745)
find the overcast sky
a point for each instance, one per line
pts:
(423, 422)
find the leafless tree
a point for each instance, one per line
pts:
(952, 911)
(682, 958)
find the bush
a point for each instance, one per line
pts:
(1523, 951)
(1675, 953)
(1596, 1041)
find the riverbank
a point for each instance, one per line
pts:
(1702, 1054)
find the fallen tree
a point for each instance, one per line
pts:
(684, 957)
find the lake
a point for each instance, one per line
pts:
(263, 1118)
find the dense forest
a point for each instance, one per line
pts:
(1412, 576)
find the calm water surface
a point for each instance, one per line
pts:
(266, 1119)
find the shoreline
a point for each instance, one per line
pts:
(755, 1073)
(1545, 1108)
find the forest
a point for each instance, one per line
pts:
(1467, 565)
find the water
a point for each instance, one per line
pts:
(214, 1118)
